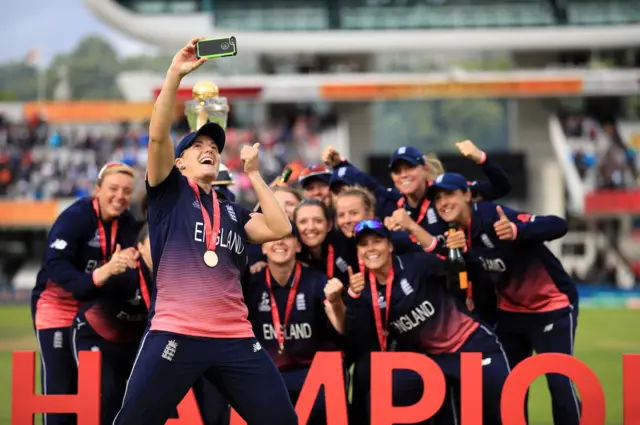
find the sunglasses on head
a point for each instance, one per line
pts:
(368, 224)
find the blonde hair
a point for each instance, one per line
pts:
(434, 166)
(367, 198)
(114, 168)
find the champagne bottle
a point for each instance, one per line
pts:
(457, 280)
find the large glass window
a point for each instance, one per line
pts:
(274, 15)
(166, 6)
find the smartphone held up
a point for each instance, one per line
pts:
(212, 48)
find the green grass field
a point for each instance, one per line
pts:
(603, 336)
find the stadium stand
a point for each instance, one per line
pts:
(42, 162)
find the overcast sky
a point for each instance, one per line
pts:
(52, 26)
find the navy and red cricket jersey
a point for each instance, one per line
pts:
(192, 298)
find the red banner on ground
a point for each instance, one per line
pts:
(327, 371)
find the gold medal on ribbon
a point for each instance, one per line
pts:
(211, 258)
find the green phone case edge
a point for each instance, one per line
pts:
(222, 55)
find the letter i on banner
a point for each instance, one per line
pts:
(471, 388)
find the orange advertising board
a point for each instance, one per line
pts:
(90, 111)
(27, 213)
(513, 88)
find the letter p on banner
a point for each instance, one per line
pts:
(25, 403)
(382, 366)
(518, 382)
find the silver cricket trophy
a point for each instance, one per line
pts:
(206, 105)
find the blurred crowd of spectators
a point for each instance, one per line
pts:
(603, 159)
(38, 161)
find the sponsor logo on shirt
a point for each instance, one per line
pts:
(95, 242)
(265, 303)
(59, 244)
(381, 300)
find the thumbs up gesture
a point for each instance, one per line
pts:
(356, 282)
(503, 227)
(250, 158)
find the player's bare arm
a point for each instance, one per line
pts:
(160, 159)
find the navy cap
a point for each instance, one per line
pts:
(313, 172)
(409, 154)
(371, 226)
(449, 182)
(342, 175)
(211, 129)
